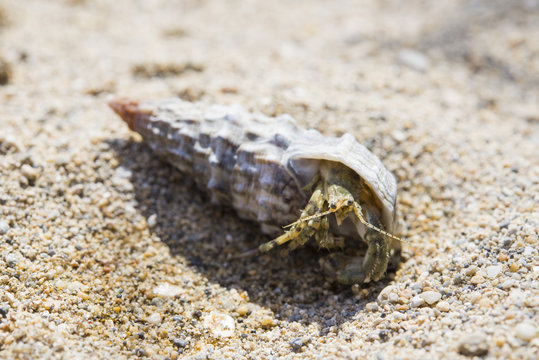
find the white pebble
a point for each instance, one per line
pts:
(477, 279)
(167, 290)
(152, 221)
(473, 345)
(431, 297)
(386, 293)
(443, 306)
(11, 259)
(531, 301)
(74, 286)
(393, 298)
(507, 284)
(219, 324)
(493, 271)
(414, 60)
(372, 306)
(9, 142)
(416, 302)
(154, 319)
(525, 331)
(475, 297)
(4, 227)
(29, 172)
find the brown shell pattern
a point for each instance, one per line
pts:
(258, 165)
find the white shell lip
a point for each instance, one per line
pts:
(347, 151)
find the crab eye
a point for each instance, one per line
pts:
(349, 202)
(333, 206)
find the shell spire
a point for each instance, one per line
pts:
(128, 110)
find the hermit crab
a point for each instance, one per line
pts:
(332, 190)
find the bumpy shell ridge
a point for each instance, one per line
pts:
(257, 164)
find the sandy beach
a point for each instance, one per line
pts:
(106, 251)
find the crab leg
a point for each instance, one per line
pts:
(332, 195)
(307, 226)
(377, 256)
(375, 262)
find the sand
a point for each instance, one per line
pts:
(108, 252)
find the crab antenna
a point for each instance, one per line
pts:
(307, 218)
(357, 211)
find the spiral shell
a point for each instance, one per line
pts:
(258, 165)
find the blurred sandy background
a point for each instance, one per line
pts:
(107, 252)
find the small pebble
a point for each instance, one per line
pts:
(242, 310)
(29, 172)
(431, 297)
(180, 343)
(493, 271)
(507, 243)
(473, 345)
(471, 270)
(514, 267)
(499, 342)
(484, 303)
(477, 279)
(525, 331)
(219, 324)
(372, 306)
(512, 231)
(413, 59)
(504, 224)
(154, 319)
(152, 221)
(443, 306)
(167, 290)
(406, 294)
(393, 298)
(416, 302)
(296, 344)
(372, 336)
(4, 227)
(507, 284)
(11, 259)
(62, 160)
(532, 301)
(267, 321)
(475, 296)
(140, 352)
